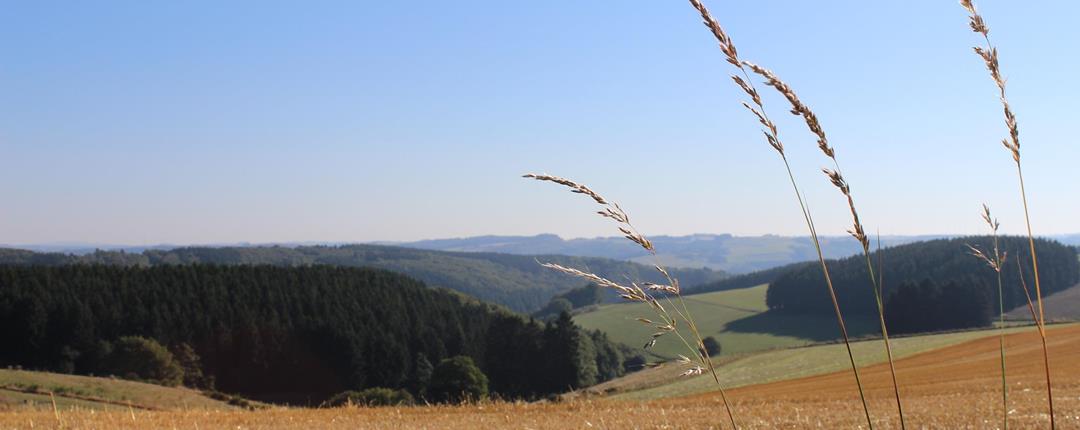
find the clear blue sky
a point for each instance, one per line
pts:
(199, 122)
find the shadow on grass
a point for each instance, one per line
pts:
(817, 328)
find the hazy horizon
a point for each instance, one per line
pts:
(203, 122)
(73, 245)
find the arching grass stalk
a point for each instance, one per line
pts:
(772, 137)
(857, 231)
(989, 54)
(995, 262)
(647, 292)
(1042, 335)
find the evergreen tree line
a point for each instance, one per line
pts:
(931, 306)
(928, 283)
(297, 335)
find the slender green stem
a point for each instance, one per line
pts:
(1001, 324)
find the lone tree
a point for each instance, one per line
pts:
(456, 380)
(712, 346)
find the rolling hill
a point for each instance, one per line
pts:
(734, 254)
(738, 319)
(515, 281)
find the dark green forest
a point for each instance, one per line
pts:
(287, 334)
(514, 281)
(927, 285)
(932, 306)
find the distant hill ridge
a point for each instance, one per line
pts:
(733, 254)
(515, 281)
(730, 253)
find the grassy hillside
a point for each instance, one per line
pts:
(780, 365)
(19, 387)
(515, 281)
(738, 319)
(1062, 305)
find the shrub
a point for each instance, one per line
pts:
(191, 364)
(377, 396)
(139, 358)
(456, 380)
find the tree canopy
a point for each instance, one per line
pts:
(955, 277)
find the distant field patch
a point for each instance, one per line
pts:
(738, 319)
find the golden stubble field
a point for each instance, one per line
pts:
(951, 388)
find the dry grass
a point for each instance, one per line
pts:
(950, 388)
(857, 230)
(772, 136)
(995, 261)
(650, 294)
(989, 55)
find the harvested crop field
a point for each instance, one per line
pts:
(950, 388)
(954, 387)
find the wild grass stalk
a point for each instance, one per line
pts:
(995, 264)
(1042, 335)
(771, 134)
(989, 55)
(56, 411)
(857, 231)
(647, 292)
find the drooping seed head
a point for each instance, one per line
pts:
(798, 108)
(726, 45)
(574, 186)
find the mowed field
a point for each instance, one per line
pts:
(778, 365)
(738, 319)
(955, 387)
